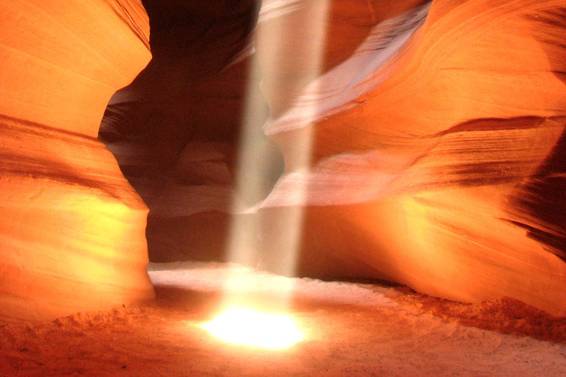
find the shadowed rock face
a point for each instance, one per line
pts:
(175, 129)
(437, 144)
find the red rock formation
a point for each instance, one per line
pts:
(448, 172)
(438, 144)
(71, 233)
(436, 162)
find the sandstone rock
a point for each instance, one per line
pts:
(448, 171)
(437, 144)
(71, 232)
(437, 148)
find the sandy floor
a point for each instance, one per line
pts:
(352, 330)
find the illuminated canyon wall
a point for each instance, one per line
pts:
(437, 144)
(72, 228)
(447, 172)
(438, 147)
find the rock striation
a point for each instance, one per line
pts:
(437, 144)
(445, 162)
(72, 228)
(435, 134)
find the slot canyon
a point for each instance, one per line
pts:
(283, 188)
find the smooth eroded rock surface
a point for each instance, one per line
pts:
(436, 129)
(72, 228)
(424, 141)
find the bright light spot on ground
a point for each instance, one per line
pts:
(254, 328)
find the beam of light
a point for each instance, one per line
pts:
(255, 328)
(253, 161)
(239, 323)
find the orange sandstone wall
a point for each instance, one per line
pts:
(438, 142)
(71, 227)
(447, 173)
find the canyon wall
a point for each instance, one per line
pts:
(443, 167)
(72, 228)
(436, 132)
